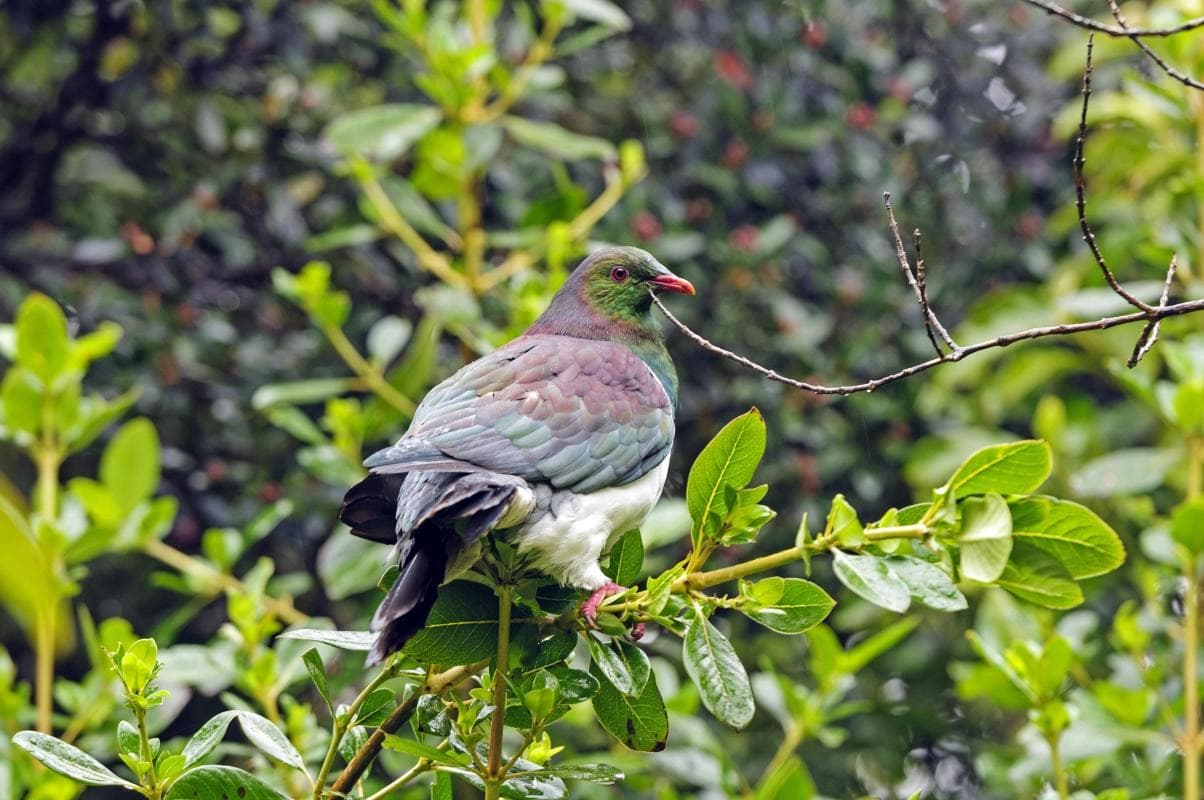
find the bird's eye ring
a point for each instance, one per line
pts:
(618, 274)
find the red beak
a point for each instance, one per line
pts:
(672, 283)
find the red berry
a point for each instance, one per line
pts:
(733, 70)
(646, 226)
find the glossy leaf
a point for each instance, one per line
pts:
(214, 782)
(626, 558)
(68, 760)
(1073, 534)
(871, 578)
(800, 606)
(640, 723)
(360, 641)
(717, 671)
(928, 583)
(1033, 575)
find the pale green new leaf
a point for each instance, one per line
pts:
(730, 459)
(986, 537)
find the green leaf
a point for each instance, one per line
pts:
(557, 141)
(129, 466)
(313, 390)
(461, 629)
(317, 673)
(220, 783)
(576, 686)
(626, 559)
(360, 641)
(260, 732)
(607, 660)
(1187, 525)
(66, 759)
(638, 665)
(602, 12)
(1033, 575)
(376, 707)
(441, 787)
(387, 337)
(730, 459)
(861, 654)
(717, 671)
(91, 346)
(28, 584)
(789, 781)
(928, 583)
(640, 723)
(871, 578)
(21, 399)
(418, 749)
(42, 341)
(801, 606)
(382, 132)
(1015, 468)
(986, 537)
(1073, 534)
(1137, 470)
(603, 774)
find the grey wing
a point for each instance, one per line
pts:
(579, 414)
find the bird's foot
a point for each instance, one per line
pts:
(589, 609)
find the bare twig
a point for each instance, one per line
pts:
(1182, 77)
(918, 283)
(1149, 334)
(1101, 27)
(1156, 313)
(1080, 193)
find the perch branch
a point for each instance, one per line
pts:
(1149, 334)
(918, 283)
(1111, 30)
(1182, 77)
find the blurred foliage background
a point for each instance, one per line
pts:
(159, 160)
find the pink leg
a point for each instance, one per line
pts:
(589, 609)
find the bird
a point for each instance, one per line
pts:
(558, 442)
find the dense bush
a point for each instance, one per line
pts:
(170, 170)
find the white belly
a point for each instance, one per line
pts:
(569, 538)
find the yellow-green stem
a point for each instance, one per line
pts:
(46, 616)
(494, 774)
(786, 748)
(339, 729)
(703, 580)
(1190, 742)
(144, 753)
(364, 370)
(1060, 780)
(219, 581)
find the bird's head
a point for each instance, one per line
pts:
(617, 281)
(610, 293)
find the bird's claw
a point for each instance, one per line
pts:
(589, 609)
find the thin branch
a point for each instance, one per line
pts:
(436, 684)
(918, 283)
(1080, 193)
(1156, 313)
(1182, 77)
(1149, 334)
(540, 51)
(1100, 27)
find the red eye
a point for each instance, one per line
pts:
(618, 274)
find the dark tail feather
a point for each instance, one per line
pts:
(370, 508)
(443, 513)
(405, 608)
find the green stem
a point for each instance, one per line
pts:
(339, 728)
(364, 370)
(422, 766)
(917, 531)
(786, 748)
(703, 580)
(494, 773)
(1060, 779)
(1191, 740)
(46, 618)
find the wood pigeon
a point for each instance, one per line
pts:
(559, 441)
